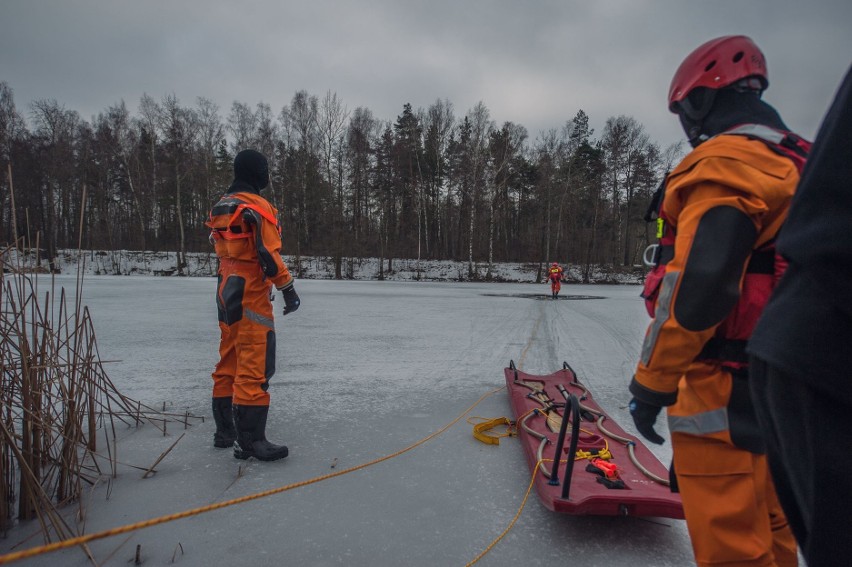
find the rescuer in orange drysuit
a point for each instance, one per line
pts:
(247, 239)
(554, 276)
(720, 213)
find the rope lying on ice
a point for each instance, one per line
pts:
(538, 466)
(81, 540)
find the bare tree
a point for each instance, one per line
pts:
(12, 129)
(671, 156)
(624, 142)
(149, 122)
(361, 138)
(12, 125)
(266, 141)
(481, 126)
(126, 141)
(304, 109)
(548, 149)
(211, 133)
(331, 123)
(55, 130)
(438, 123)
(504, 146)
(242, 125)
(575, 135)
(180, 126)
(302, 118)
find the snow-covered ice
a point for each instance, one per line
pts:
(365, 369)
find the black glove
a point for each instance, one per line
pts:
(291, 298)
(644, 416)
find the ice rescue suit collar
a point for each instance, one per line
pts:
(241, 187)
(728, 197)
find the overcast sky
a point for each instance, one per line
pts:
(532, 62)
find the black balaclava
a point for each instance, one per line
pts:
(251, 167)
(729, 107)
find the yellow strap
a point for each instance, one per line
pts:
(602, 454)
(480, 428)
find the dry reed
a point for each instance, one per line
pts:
(58, 406)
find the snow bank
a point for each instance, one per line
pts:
(129, 263)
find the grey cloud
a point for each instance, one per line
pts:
(534, 63)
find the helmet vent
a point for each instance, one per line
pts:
(710, 65)
(738, 56)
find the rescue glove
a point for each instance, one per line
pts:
(644, 416)
(291, 298)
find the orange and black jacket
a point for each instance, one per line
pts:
(244, 226)
(725, 201)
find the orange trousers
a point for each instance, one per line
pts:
(732, 511)
(555, 286)
(247, 334)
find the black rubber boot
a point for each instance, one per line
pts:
(223, 415)
(251, 435)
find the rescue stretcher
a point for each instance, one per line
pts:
(601, 470)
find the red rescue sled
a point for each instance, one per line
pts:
(636, 486)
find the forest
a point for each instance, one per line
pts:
(432, 184)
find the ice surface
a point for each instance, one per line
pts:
(364, 369)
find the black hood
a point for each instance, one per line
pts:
(251, 167)
(730, 108)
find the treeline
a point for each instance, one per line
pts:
(433, 184)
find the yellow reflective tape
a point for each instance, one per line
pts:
(661, 227)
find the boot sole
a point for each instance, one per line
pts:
(224, 442)
(268, 459)
(243, 455)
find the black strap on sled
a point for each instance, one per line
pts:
(573, 403)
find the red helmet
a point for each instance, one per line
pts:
(555, 264)
(719, 63)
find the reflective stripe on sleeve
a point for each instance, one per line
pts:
(704, 423)
(661, 315)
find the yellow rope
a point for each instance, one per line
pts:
(80, 540)
(517, 514)
(601, 454)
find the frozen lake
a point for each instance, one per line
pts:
(364, 370)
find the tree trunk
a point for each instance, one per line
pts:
(490, 239)
(136, 204)
(181, 257)
(470, 271)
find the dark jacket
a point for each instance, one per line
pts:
(806, 329)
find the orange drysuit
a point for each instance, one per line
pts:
(247, 239)
(725, 200)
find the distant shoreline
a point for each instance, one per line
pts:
(136, 263)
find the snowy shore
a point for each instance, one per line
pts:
(147, 263)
